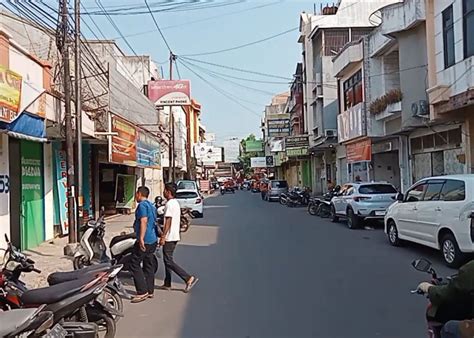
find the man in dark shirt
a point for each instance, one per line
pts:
(145, 247)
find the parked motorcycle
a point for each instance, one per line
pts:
(298, 198)
(458, 309)
(186, 215)
(321, 206)
(32, 322)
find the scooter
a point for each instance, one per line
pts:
(458, 309)
(321, 206)
(224, 190)
(185, 220)
(298, 198)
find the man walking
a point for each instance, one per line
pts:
(145, 247)
(170, 238)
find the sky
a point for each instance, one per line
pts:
(223, 28)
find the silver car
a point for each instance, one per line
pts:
(275, 189)
(362, 200)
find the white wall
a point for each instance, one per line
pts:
(154, 181)
(48, 191)
(4, 197)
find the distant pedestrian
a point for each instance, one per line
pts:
(170, 238)
(145, 247)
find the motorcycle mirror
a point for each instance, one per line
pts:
(6, 238)
(422, 265)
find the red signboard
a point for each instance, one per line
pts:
(359, 151)
(170, 92)
(123, 148)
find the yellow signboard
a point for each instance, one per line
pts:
(10, 94)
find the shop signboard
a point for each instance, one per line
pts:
(201, 149)
(350, 124)
(278, 125)
(253, 146)
(123, 148)
(359, 151)
(212, 156)
(61, 181)
(148, 151)
(293, 152)
(232, 150)
(10, 94)
(296, 142)
(258, 162)
(170, 92)
(125, 188)
(276, 145)
(270, 160)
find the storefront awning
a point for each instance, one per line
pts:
(26, 126)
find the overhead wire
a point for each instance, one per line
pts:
(158, 27)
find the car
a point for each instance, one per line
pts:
(275, 189)
(436, 212)
(361, 201)
(189, 198)
(187, 185)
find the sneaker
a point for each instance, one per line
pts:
(164, 287)
(140, 298)
(189, 285)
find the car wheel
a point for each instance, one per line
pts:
(334, 217)
(353, 220)
(452, 256)
(392, 234)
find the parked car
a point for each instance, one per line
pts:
(275, 188)
(436, 212)
(191, 199)
(361, 201)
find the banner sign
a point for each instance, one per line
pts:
(125, 191)
(123, 149)
(296, 142)
(212, 156)
(170, 92)
(279, 127)
(232, 151)
(200, 150)
(253, 146)
(148, 151)
(350, 124)
(258, 162)
(293, 152)
(270, 161)
(61, 176)
(359, 151)
(10, 94)
(276, 146)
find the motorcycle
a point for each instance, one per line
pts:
(185, 220)
(321, 206)
(458, 309)
(224, 190)
(298, 198)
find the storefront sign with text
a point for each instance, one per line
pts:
(359, 151)
(10, 95)
(123, 148)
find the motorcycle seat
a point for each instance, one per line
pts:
(13, 319)
(120, 238)
(55, 293)
(66, 276)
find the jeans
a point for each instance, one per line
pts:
(451, 330)
(144, 277)
(171, 266)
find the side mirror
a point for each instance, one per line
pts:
(422, 265)
(400, 197)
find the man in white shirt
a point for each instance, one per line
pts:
(170, 238)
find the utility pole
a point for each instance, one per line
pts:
(68, 125)
(171, 130)
(78, 109)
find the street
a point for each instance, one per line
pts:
(270, 271)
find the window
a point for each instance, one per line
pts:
(448, 37)
(453, 190)
(353, 90)
(433, 191)
(468, 27)
(186, 194)
(377, 189)
(279, 184)
(185, 185)
(416, 194)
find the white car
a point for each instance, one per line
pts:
(191, 199)
(362, 200)
(436, 212)
(187, 185)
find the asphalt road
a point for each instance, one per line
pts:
(270, 271)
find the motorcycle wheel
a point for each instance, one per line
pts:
(114, 300)
(79, 262)
(312, 209)
(107, 324)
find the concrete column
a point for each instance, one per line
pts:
(405, 163)
(4, 193)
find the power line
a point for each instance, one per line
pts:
(158, 27)
(177, 69)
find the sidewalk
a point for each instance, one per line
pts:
(49, 255)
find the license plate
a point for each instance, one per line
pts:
(56, 332)
(380, 213)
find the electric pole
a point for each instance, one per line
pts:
(68, 125)
(171, 130)
(78, 109)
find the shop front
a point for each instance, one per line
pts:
(358, 157)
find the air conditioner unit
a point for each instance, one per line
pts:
(330, 132)
(420, 108)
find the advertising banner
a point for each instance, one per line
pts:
(258, 162)
(170, 92)
(200, 150)
(293, 152)
(125, 191)
(10, 95)
(253, 146)
(276, 146)
(232, 151)
(278, 127)
(296, 142)
(61, 181)
(212, 156)
(350, 124)
(270, 161)
(123, 148)
(148, 151)
(359, 151)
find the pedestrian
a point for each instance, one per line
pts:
(143, 264)
(170, 238)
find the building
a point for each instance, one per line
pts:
(321, 38)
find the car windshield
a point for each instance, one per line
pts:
(377, 189)
(186, 194)
(187, 185)
(279, 184)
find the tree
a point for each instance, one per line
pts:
(245, 156)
